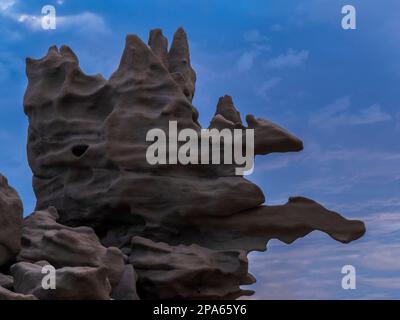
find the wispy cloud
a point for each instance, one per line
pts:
(316, 153)
(273, 163)
(290, 59)
(325, 184)
(246, 61)
(265, 88)
(339, 113)
(383, 260)
(89, 20)
(258, 44)
(6, 4)
(384, 283)
(311, 269)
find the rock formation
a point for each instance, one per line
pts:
(10, 222)
(111, 223)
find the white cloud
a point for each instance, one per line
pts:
(289, 59)
(6, 4)
(246, 61)
(33, 22)
(258, 45)
(382, 223)
(371, 114)
(266, 87)
(311, 268)
(383, 260)
(384, 283)
(81, 21)
(338, 114)
(273, 163)
(316, 153)
(85, 20)
(325, 184)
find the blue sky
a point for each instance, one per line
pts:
(287, 61)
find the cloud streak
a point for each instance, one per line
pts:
(290, 59)
(266, 87)
(258, 45)
(339, 113)
(85, 20)
(6, 4)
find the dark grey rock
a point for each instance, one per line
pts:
(187, 229)
(10, 222)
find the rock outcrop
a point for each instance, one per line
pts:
(72, 283)
(10, 222)
(45, 239)
(115, 226)
(6, 294)
(84, 268)
(188, 272)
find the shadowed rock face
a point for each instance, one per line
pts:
(186, 229)
(10, 222)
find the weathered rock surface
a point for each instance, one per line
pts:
(182, 272)
(10, 222)
(72, 283)
(6, 281)
(6, 294)
(126, 288)
(186, 229)
(45, 239)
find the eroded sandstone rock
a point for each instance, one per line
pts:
(72, 283)
(45, 239)
(6, 281)
(6, 294)
(186, 229)
(126, 288)
(10, 222)
(188, 272)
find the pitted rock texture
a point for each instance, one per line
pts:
(186, 229)
(10, 222)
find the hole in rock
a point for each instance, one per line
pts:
(79, 150)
